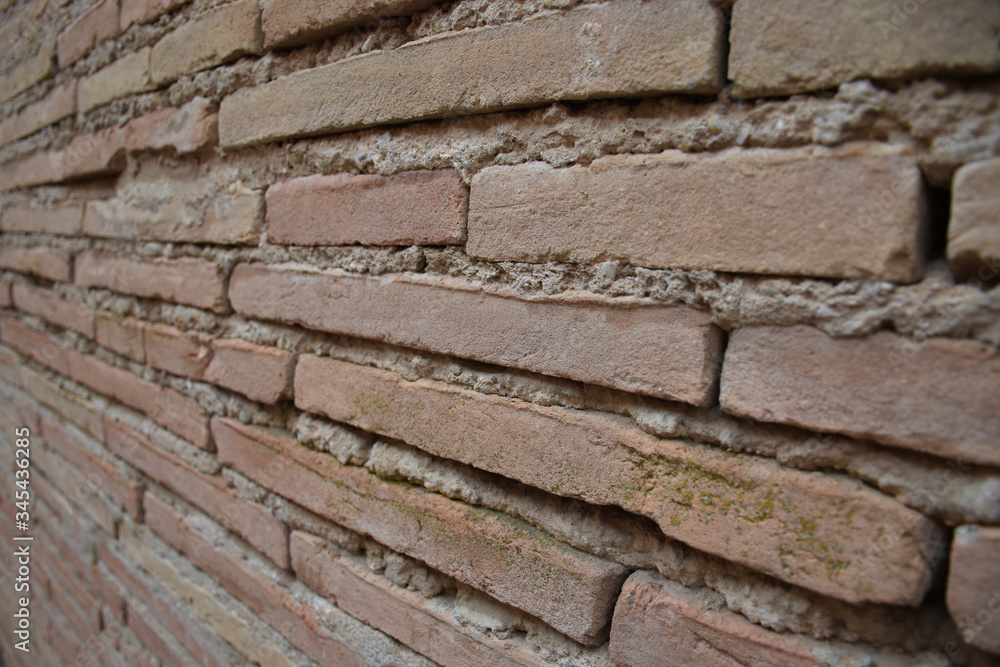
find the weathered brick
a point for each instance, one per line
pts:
(144, 11)
(61, 219)
(35, 345)
(740, 507)
(250, 521)
(126, 76)
(802, 211)
(5, 298)
(292, 22)
(9, 371)
(97, 24)
(936, 396)
(510, 560)
(222, 34)
(108, 592)
(412, 208)
(974, 228)
(671, 352)
(53, 308)
(260, 373)
(86, 155)
(86, 500)
(29, 71)
(175, 351)
(146, 626)
(71, 407)
(123, 335)
(974, 585)
(81, 608)
(57, 104)
(643, 48)
(790, 46)
(658, 621)
(189, 281)
(41, 261)
(186, 129)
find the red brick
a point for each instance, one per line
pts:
(411, 208)
(88, 607)
(186, 129)
(192, 282)
(739, 507)
(58, 103)
(248, 520)
(61, 219)
(97, 24)
(670, 352)
(86, 155)
(260, 373)
(54, 309)
(974, 585)
(71, 407)
(292, 22)
(175, 351)
(937, 396)
(974, 227)
(95, 507)
(48, 263)
(658, 621)
(517, 564)
(38, 346)
(123, 335)
(144, 11)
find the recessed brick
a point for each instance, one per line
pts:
(974, 228)
(260, 373)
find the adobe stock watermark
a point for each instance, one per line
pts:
(899, 15)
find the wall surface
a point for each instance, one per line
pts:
(525, 332)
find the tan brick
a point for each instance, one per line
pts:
(220, 35)
(123, 335)
(186, 129)
(175, 351)
(936, 397)
(671, 352)
(29, 71)
(126, 76)
(97, 24)
(743, 508)
(71, 407)
(57, 104)
(789, 46)
(250, 521)
(974, 228)
(189, 281)
(801, 211)
(974, 585)
(41, 261)
(293, 22)
(144, 11)
(54, 309)
(260, 373)
(35, 345)
(658, 621)
(412, 208)
(86, 155)
(61, 219)
(617, 49)
(510, 560)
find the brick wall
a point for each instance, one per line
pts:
(394, 332)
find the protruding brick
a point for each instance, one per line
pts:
(175, 351)
(61, 219)
(193, 282)
(510, 560)
(937, 396)
(223, 34)
(57, 104)
(974, 229)
(672, 352)
(412, 208)
(292, 22)
(29, 71)
(616, 49)
(144, 11)
(801, 211)
(97, 24)
(780, 47)
(41, 261)
(186, 129)
(123, 335)
(260, 373)
(126, 76)
(813, 530)
(54, 309)
(974, 585)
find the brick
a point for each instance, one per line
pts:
(250, 521)
(175, 351)
(974, 228)
(144, 11)
(515, 563)
(670, 352)
(294, 22)
(123, 335)
(61, 219)
(5, 298)
(86, 500)
(9, 371)
(79, 606)
(71, 407)
(186, 129)
(97, 24)
(742, 508)
(35, 345)
(411, 208)
(108, 592)
(218, 36)
(260, 373)
(936, 397)
(803, 211)
(188, 281)
(126, 76)
(41, 261)
(658, 621)
(973, 593)
(618, 49)
(791, 46)
(87, 155)
(154, 637)
(54, 309)
(29, 71)
(58, 103)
